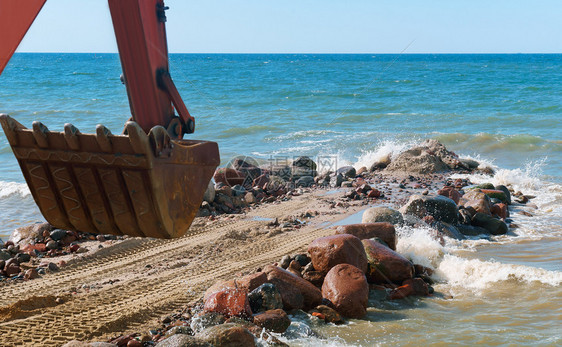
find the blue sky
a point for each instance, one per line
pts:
(315, 26)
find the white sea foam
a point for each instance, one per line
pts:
(12, 188)
(477, 274)
(387, 148)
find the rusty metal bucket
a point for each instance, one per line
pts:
(134, 184)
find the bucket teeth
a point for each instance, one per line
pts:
(71, 136)
(160, 141)
(137, 137)
(102, 136)
(40, 132)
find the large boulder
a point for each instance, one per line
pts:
(247, 166)
(382, 230)
(449, 158)
(23, 235)
(327, 252)
(439, 207)
(346, 171)
(303, 167)
(382, 214)
(493, 225)
(229, 176)
(276, 321)
(385, 265)
(506, 191)
(227, 335)
(417, 160)
(296, 292)
(346, 287)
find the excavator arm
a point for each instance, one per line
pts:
(147, 182)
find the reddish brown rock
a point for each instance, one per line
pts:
(229, 302)
(451, 193)
(247, 283)
(31, 274)
(11, 269)
(385, 265)
(229, 176)
(327, 252)
(477, 200)
(414, 286)
(327, 313)
(273, 320)
(295, 268)
(500, 210)
(346, 287)
(261, 181)
(296, 292)
(39, 247)
(314, 277)
(373, 193)
(383, 230)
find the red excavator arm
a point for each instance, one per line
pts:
(147, 182)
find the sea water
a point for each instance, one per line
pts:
(503, 110)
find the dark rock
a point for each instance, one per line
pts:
(296, 292)
(347, 171)
(414, 286)
(305, 181)
(327, 252)
(385, 265)
(58, 234)
(472, 230)
(276, 320)
(493, 225)
(205, 320)
(4, 254)
(305, 162)
(23, 257)
(285, 261)
(52, 244)
(383, 230)
(261, 181)
(346, 287)
(248, 167)
(485, 186)
(506, 191)
(439, 207)
(303, 259)
(336, 180)
(449, 230)
(227, 335)
(265, 297)
(238, 190)
(469, 163)
(497, 194)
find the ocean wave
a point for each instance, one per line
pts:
(13, 188)
(241, 131)
(477, 274)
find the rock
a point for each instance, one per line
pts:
(381, 163)
(305, 181)
(229, 176)
(500, 210)
(497, 194)
(296, 292)
(250, 198)
(295, 268)
(275, 184)
(11, 268)
(210, 193)
(29, 232)
(493, 225)
(362, 170)
(485, 186)
(265, 297)
(451, 193)
(347, 171)
(229, 302)
(227, 335)
(238, 190)
(52, 267)
(327, 252)
(314, 277)
(439, 207)
(385, 265)
(448, 157)
(382, 214)
(247, 283)
(76, 343)
(248, 167)
(52, 244)
(449, 230)
(472, 230)
(305, 162)
(506, 191)
(346, 287)
(477, 200)
(58, 234)
(336, 180)
(469, 163)
(302, 259)
(23, 257)
(414, 286)
(417, 160)
(276, 320)
(205, 320)
(183, 340)
(383, 230)
(329, 314)
(31, 274)
(4, 254)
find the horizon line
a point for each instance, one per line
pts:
(317, 53)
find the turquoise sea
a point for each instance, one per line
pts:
(504, 110)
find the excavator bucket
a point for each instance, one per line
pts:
(137, 185)
(147, 182)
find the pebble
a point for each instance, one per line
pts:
(52, 245)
